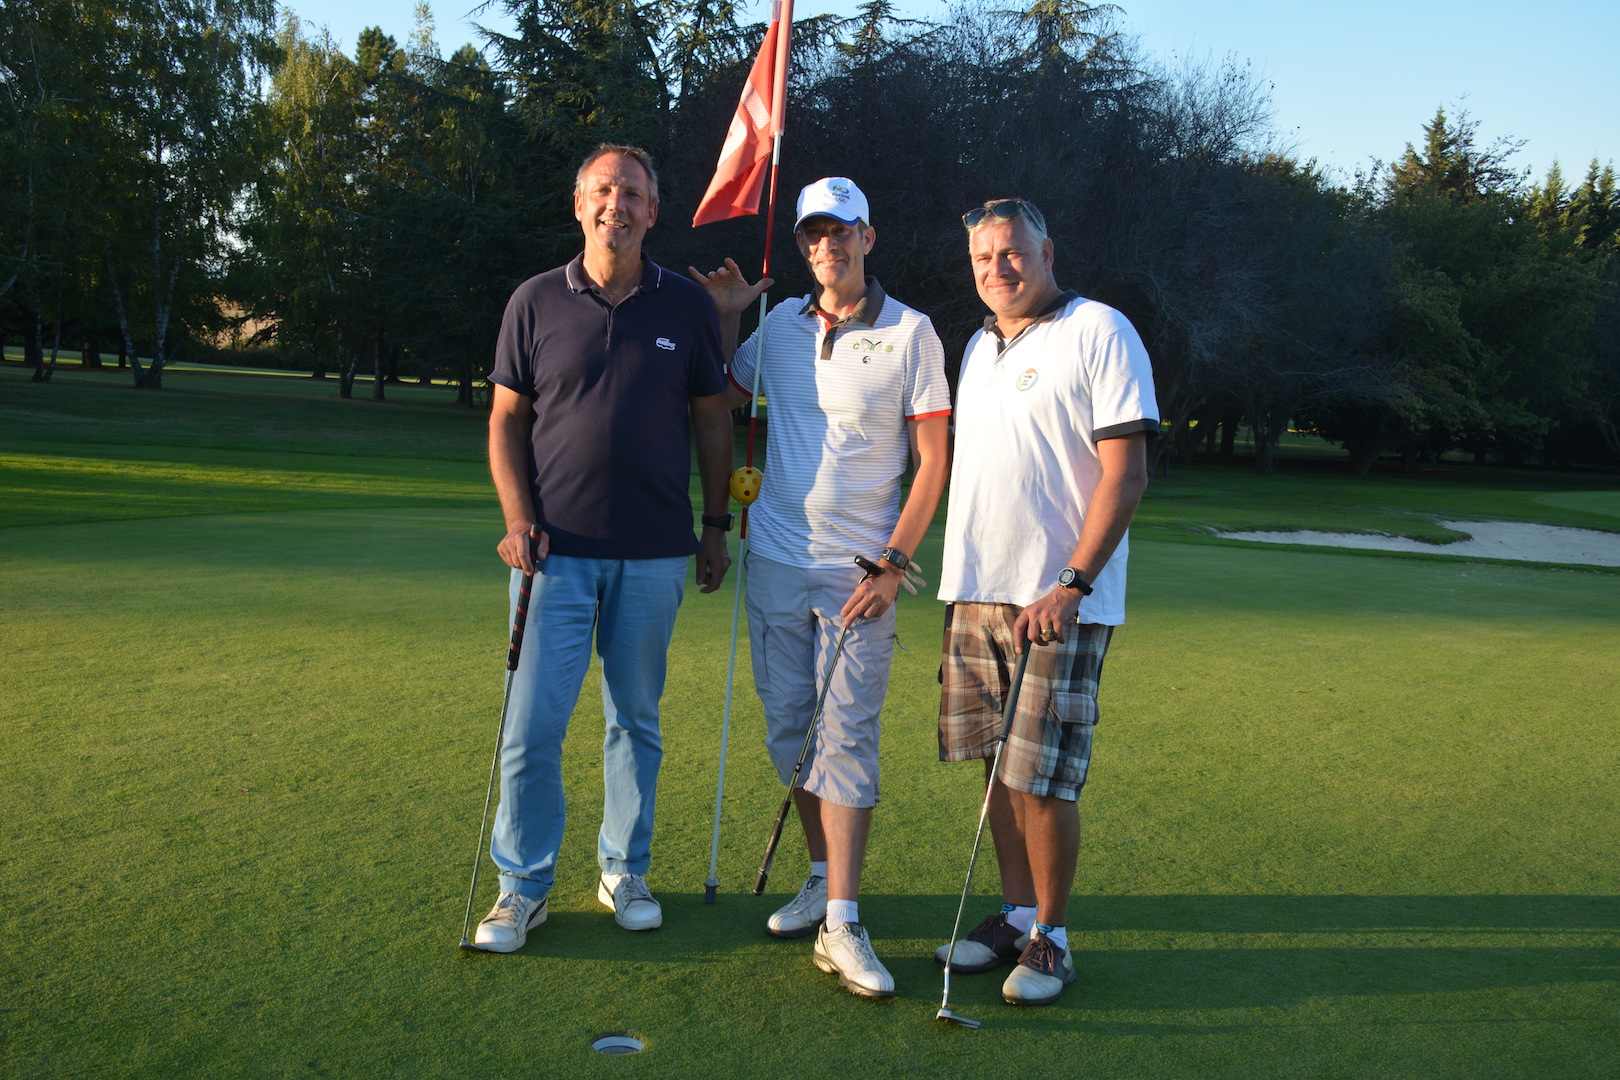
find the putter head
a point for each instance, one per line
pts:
(709, 888)
(468, 946)
(945, 1016)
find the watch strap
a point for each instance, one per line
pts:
(1070, 578)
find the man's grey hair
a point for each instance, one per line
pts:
(1034, 219)
(635, 153)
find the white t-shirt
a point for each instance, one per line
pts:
(1029, 416)
(836, 443)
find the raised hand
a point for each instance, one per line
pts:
(728, 288)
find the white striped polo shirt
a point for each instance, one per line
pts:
(838, 401)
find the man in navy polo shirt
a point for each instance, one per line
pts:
(603, 369)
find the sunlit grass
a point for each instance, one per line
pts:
(1350, 816)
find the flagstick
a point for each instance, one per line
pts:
(712, 885)
(782, 19)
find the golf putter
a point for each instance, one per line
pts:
(945, 1015)
(872, 570)
(514, 650)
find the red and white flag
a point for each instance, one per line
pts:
(740, 177)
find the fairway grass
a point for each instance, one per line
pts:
(1350, 815)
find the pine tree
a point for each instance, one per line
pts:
(1452, 164)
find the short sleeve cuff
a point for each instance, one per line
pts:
(511, 382)
(1131, 427)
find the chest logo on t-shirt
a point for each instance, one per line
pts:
(666, 344)
(1027, 379)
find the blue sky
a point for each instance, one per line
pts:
(1349, 82)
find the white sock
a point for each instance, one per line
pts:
(611, 880)
(840, 912)
(818, 869)
(1058, 935)
(1021, 919)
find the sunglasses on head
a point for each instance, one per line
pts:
(1005, 209)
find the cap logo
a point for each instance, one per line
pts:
(1027, 379)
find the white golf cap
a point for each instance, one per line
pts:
(836, 197)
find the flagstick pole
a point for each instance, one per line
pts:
(712, 885)
(783, 11)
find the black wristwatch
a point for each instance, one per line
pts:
(1071, 579)
(723, 522)
(899, 558)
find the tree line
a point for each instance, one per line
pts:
(178, 170)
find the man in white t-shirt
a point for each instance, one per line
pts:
(856, 388)
(1055, 406)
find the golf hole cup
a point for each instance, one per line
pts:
(745, 484)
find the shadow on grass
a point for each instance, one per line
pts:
(1168, 965)
(1185, 956)
(1187, 951)
(1314, 914)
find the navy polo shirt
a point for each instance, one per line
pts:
(610, 452)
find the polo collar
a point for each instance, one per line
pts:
(652, 276)
(1047, 315)
(866, 312)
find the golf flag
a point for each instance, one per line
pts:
(740, 176)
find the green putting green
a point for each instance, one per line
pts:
(1350, 815)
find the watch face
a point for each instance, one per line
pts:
(1066, 579)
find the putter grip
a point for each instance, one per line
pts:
(770, 847)
(1009, 711)
(515, 649)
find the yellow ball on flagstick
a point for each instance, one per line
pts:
(745, 484)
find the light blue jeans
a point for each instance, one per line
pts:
(630, 605)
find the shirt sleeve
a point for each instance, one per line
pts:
(706, 371)
(926, 391)
(1122, 397)
(514, 346)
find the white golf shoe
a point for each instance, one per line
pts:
(800, 916)
(989, 945)
(633, 905)
(1042, 973)
(508, 923)
(847, 953)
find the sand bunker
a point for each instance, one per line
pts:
(1490, 540)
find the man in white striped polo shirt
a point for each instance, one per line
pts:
(856, 387)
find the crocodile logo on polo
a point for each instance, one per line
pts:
(666, 344)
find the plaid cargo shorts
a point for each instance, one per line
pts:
(1049, 749)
